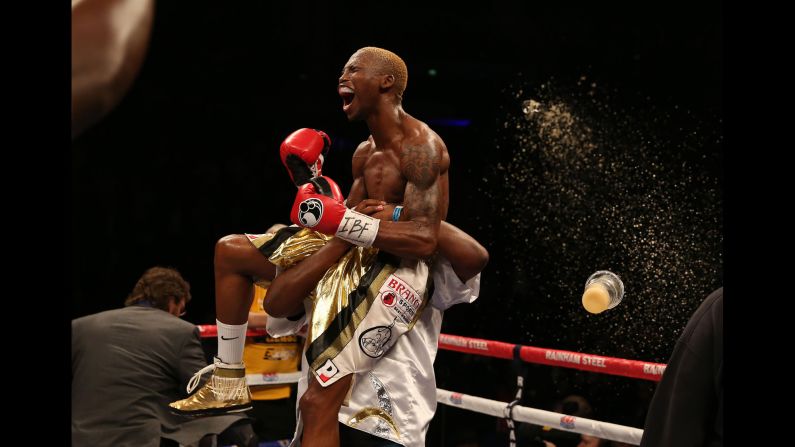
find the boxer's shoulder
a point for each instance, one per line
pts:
(364, 148)
(361, 155)
(421, 159)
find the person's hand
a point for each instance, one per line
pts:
(370, 207)
(377, 209)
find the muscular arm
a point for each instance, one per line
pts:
(288, 290)
(424, 203)
(466, 255)
(286, 293)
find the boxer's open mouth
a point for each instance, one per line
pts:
(346, 93)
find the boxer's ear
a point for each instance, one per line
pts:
(387, 81)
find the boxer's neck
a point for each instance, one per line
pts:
(386, 124)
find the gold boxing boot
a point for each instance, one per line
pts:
(226, 391)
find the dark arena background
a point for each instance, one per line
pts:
(582, 137)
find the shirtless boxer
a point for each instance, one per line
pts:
(403, 161)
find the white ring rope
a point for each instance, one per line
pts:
(559, 421)
(605, 430)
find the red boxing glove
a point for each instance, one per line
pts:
(327, 187)
(327, 214)
(302, 153)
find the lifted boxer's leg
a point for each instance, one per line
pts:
(319, 408)
(237, 263)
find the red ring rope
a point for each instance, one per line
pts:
(545, 356)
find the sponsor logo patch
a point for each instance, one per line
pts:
(389, 299)
(309, 212)
(407, 300)
(327, 371)
(374, 341)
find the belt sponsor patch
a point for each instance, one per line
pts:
(309, 212)
(399, 296)
(389, 299)
(374, 341)
(327, 371)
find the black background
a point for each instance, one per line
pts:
(190, 154)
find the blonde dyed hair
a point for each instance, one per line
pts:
(389, 63)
